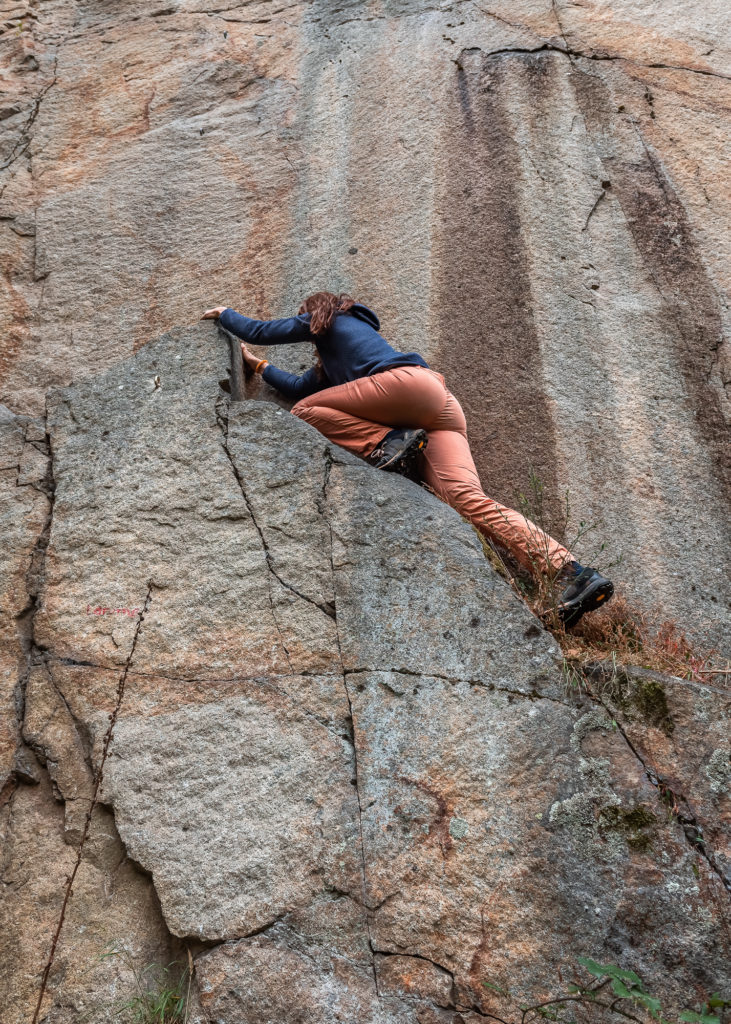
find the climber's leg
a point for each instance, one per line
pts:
(448, 468)
(358, 414)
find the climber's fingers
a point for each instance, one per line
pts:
(213, 314)
(249, 358)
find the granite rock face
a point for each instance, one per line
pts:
(342, 770)
(530, 193)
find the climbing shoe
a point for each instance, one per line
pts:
(587, 590)
(399, 451)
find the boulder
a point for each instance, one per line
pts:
(330, 740)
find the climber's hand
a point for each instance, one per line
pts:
(249, 358)
(213, 314)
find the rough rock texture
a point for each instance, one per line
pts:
(345, 774)
(531, 193)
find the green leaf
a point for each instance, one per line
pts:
(594, 968)
(652, 1004)
(495, 988)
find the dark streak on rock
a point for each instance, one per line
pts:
(487, 338)
(664, 239)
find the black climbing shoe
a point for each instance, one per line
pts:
(587, 590)
(398, 451)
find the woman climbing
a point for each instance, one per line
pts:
(394, 411)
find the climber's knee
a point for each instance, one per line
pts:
(301, 409)
(467, 500)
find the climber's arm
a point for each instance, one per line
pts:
(292, 386)
(288, 384)
(267, 332)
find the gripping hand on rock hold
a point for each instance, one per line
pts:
(255, 363)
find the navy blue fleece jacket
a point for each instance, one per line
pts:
(351, 348)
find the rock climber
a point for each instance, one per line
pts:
(394, 411)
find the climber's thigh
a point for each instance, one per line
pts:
(405, 396)
(449, 469)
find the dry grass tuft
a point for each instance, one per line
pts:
(632, 636)
(621, 631)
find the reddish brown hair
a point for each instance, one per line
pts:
(323, 307)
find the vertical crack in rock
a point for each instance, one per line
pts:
(94, 800)
(33, 653)
(557, 16)
(366, 909)
(685, 817)
(592, 211)
(325, 609)
(223, 426)
(24, 138)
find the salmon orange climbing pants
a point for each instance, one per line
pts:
(355, 414)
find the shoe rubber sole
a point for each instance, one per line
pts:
(595, 595)
(404, 458)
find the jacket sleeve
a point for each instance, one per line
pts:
(267, 332)
(292, 386)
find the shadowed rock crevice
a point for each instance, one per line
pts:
(26, 502)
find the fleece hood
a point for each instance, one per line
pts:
(364, 313)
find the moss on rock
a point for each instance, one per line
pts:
(633, 823)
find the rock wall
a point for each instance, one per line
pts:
(531, 193)
(272, 709)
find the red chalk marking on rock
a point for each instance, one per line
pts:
(132, 612)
